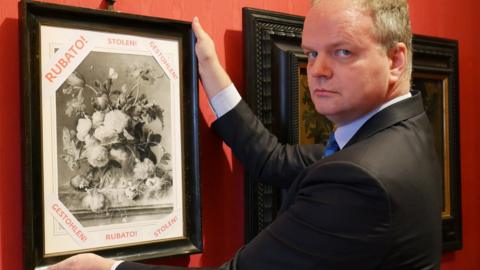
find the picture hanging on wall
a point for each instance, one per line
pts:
(111, 135)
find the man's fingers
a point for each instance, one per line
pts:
(197, 28)
(65, 264)
(57, 266)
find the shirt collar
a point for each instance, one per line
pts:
(343, 134)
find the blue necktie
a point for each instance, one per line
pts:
(331, 146)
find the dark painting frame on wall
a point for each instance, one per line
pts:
(275, 75)
(111, 150)
(435, 74)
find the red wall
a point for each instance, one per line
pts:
(459, 20)
(222, 188)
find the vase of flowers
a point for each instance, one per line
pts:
(110, 148)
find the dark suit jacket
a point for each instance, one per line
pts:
(376, 204)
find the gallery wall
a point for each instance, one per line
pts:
(459, 21)
(222, 175)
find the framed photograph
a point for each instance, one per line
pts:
(111, 152)
(280, 98)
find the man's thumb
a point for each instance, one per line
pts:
(197, 28)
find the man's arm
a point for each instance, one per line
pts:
(86, 261)
(214, 77)
(258, 150)
(90, 261)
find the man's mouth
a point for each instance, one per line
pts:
(323, 92)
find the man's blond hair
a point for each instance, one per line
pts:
(392, 24)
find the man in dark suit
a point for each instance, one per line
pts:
(373, 201)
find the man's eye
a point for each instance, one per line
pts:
(343, 53)
(311, 55)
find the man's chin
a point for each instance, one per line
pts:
(329, 115)
(325, 109)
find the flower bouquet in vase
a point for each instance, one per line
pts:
(109, 149)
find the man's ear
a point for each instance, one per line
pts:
(398, 61)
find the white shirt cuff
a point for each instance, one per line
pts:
(225, 100)
(114, 266)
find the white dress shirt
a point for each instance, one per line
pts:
(114, 266)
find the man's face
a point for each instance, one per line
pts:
(348, 70)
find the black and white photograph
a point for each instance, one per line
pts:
(114, 119)
(110, 125)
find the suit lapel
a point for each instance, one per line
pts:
(389, 116)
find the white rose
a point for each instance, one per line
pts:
(97, 156)
(116, 120)
(83, 127)
(97, 118)
(119, 155)
(105, 134)
(144, 170)
(90, 140)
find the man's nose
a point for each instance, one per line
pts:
(320, 67)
